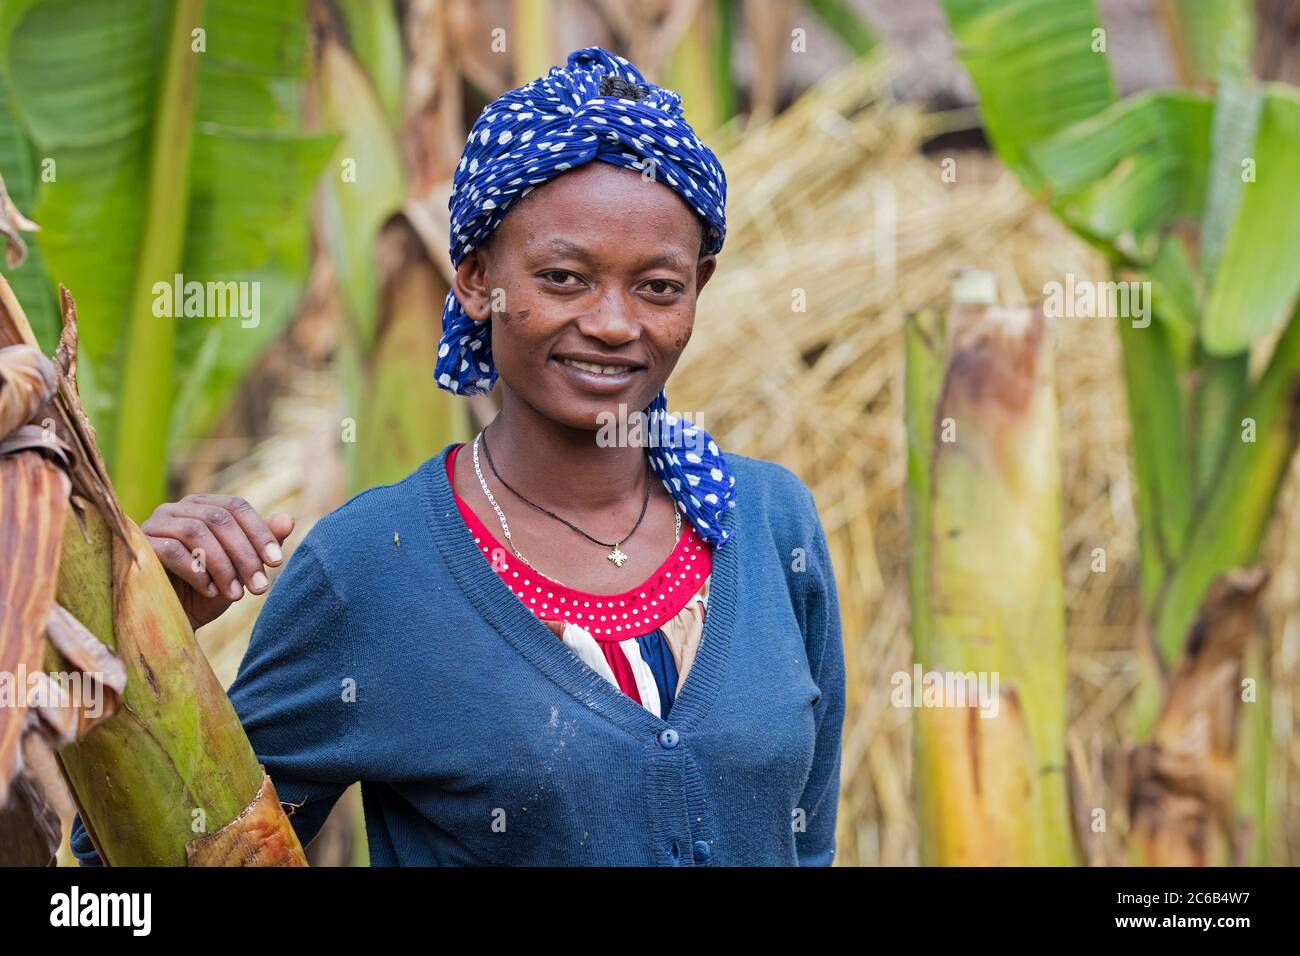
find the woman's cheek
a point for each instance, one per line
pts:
(685, 326)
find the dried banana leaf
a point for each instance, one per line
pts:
(173, 761)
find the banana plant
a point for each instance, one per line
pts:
(377, 201)
(161, 141)
(1192, 191)
(984, 496)
(161, 770)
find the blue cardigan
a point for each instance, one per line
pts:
(391, 653)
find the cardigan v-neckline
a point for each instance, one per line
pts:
(646, 604)
(504, 612)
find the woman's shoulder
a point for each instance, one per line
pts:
(775, 509)
(374, 527)
(766, 484)
(773, 503)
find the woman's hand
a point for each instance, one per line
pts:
(213, 547)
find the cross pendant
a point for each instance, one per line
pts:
(617, 556)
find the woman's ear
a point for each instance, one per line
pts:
(704, 270)
(472, 287)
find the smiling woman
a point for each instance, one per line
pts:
(591, 283)
(635, 669)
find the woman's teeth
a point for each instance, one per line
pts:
(598, 369)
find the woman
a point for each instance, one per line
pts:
(544, 646)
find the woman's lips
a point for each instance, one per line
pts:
(599, 383)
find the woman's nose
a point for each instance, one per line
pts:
(612, 321)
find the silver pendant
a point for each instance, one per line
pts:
(617, 556)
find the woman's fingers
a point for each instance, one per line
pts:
(256, 531)
(178, 559)
(242, 553)
(202, 547)
(281, 525)
(218, 542)
(215, 546)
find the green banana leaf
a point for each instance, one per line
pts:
(376, 41)
(1235, 127)
(20, 170)
(364, 185)
(174, 129)
(850, 26)
(1257, 282)
(1123, 177)
(1213, 38)
(1234, 513)
(1035, 67)
(1137, 178)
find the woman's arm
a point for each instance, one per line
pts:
(297, 690)
(820, 620)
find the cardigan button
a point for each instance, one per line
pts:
(668, 738)
(701, 850)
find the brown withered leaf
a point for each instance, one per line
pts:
(52, 701)
(41, 766)
(28, 380)
(89, 476)
(260, 836)
(89, 662)
(33, 506)
(12, 222)
(1180, 784)
(427, 217)
(30, 829)
(14, 327)
(33, 438)
(434, 110)
(469, 28)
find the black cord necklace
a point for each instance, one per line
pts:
(616, 553)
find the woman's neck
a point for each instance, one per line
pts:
(561, 467)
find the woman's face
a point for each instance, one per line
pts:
(598, 266)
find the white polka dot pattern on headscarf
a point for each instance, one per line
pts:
(529, 136)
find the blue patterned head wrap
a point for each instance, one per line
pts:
(532, 134)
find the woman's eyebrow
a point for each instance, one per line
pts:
(566, 248)
(667, 260)
(560, 247)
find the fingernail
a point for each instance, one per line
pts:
(236, 591)
(259, 581)
(274, 554)
(212, 589)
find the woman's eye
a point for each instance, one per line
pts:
(662, 287)
(559, 277)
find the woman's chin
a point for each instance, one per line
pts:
(619, 415)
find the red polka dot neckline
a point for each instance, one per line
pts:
(607, 617)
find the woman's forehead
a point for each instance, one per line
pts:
(602, 200)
